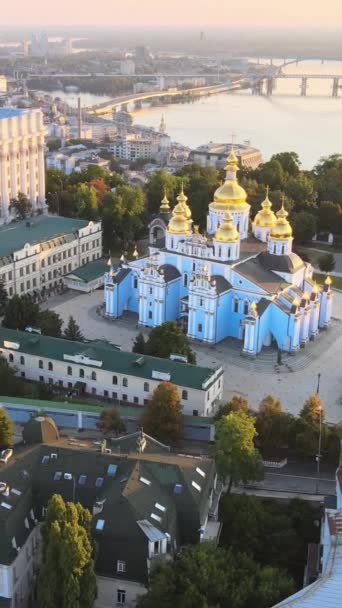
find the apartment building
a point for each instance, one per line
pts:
(36, 254)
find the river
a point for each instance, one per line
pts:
(311, 126)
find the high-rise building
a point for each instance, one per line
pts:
(21, 158)
(3, 84)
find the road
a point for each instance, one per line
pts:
(290, 485)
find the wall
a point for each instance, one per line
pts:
(107, 592)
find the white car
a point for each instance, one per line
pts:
(5, 455)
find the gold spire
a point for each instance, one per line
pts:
(165, 204)
(230, 195)
(135, 252)
(182, 200)
(265, 217)
(179, 222)
(282, 228)
(328, 280)
(109, 263)
(226, 232)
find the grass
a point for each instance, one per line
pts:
(320, 278)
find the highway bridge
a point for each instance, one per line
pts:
(266, 83)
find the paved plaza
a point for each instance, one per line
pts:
(292, 382)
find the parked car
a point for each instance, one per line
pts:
(5, 455)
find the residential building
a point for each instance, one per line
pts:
(21, 158)
(127, 67)
(225, 283)
(131, 147)
(215, 155)
(36, 253)
(146, 504)
(101, 368)
(325, 592)
(63, 162)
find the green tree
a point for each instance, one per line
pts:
(308, 426)
(50, 323)
(3, 298)
(301, 190)
(162, 417)
(235, 455)
(304, 226)
(9, 382)
(169, 338)
(289, 161)
(272, 174)
(21, 206)
(86, 202)
(330, 216)
(67, 577)
(236, 403)
(327, 262)
(110, 421)
(201, 183)
(6, 429)
(123, 214)
(139, 345)
(273, 425)
(20, 312)
(72, 330)
(159, 182)
(328, 178)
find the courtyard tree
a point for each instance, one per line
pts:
(327, 262)
(21, 206)
(72, 330)
(20, 312)
(169, 338)
(274, 426)
(159, 182)
(3, 298)
(236, 403)
(289, 161)
(6, 429)
(50, 323)
(139, 345)
(162, 417)
(311, 418)
(110, 421)
(304, 226)
(67, 577)
(236, 457)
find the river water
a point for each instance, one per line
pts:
(311, 126)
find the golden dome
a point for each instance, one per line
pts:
(182, 198)
(179, 224)
(165, 205)
(226, 232)
(282, 228)
(265, 217)
(230, 194)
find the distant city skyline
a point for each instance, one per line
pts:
(196, 13)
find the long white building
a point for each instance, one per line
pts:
(21, 158)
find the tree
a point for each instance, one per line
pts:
(50, 323)
(272, 173)
(330, 216)
(9, 383)
(122, 217)
(169, 338)
(304, 226)
(236, 403)
(311, 418)
(20, 312)
(312, 411)
(3, 298)
(86, 202)
(301, 190)
(235, 455)
(139, 345)
(21, 206)
(207, 576)
(201, 183)
(6, 429)
(111, 422)
(72, 330)
(328, 178)
(327, 262)
(274, 427)
(289, 161)
(67, 578)
(159, 182)
(162, 417)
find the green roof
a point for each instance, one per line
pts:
(42, 228)
(89, 271)
(112, 359)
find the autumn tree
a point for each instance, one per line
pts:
(110, 421)
(6, 429)
(162, 417)
(236, 403)
(273, 426)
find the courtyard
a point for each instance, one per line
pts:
(292, 382)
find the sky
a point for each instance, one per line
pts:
(189, 13)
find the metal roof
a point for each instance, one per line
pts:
(152, 533)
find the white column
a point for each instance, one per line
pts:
(296, 332)
(23, 170)
(248, 346)
(4, 186)
(33, 168)
(305, 326)
(314, 318)
(41, 173)
(13, 174)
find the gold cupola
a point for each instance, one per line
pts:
(230, 195)
(179, 224)
(183, 199)
(265, 218)
(282, 228)
(226, 232)
(165, 204)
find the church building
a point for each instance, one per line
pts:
(226, 283)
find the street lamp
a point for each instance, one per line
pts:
(318, 455)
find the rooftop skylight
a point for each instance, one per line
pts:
(100, 524)
(145, 481)
(160, 507)
(200, 472)
(196, 486)
(156, 517)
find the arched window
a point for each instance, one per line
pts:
(236, 305)
(69, 371)
(283, 248)
(184, 395)
(22, 360)
(81, 373)
(171, 243)
(220, 251)
(274, 248)
(124, 382)
(229, 252)
(41, 364)
(10, 358)
(185, 279)
(146, 387)
(50, 366)
(93, 375)
(245, 307)
(150, 314)
(135, 282)
(115, 379)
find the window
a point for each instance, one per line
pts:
(124, 397)
(136, 399)
(185, 280)
(41, 364)
(81, 373)
(200, 328)
(124, 382)
(10, 358)
(100, 524)
(60, 382)
(69, 384)
(93, 375)
(41, 378)
(50, 366)
(121, 566)
(121, 596)
(236, 305)
(146, 387)
(81, 480)
(135, 282)
(22, 360)
(193, 266)
(245, 308)
(50, 381)
(22, 374)
(99, 482)
(151, 291)
(150, 314)
(195, 412)
(201, 301)
(115, 379)
(105, 393)
(69, 370)
(184, 395)
(114, 395)
(57, 476)
(93, 390)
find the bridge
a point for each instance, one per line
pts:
(137, 98)
(268, 82)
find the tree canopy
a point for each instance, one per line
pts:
(110, 421)
(72, 330)
(164, 340)
(162, 417)
(6, 429)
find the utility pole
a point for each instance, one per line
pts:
(318, 455)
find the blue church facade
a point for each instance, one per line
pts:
(227, 283)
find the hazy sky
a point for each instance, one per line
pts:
(202, 13)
